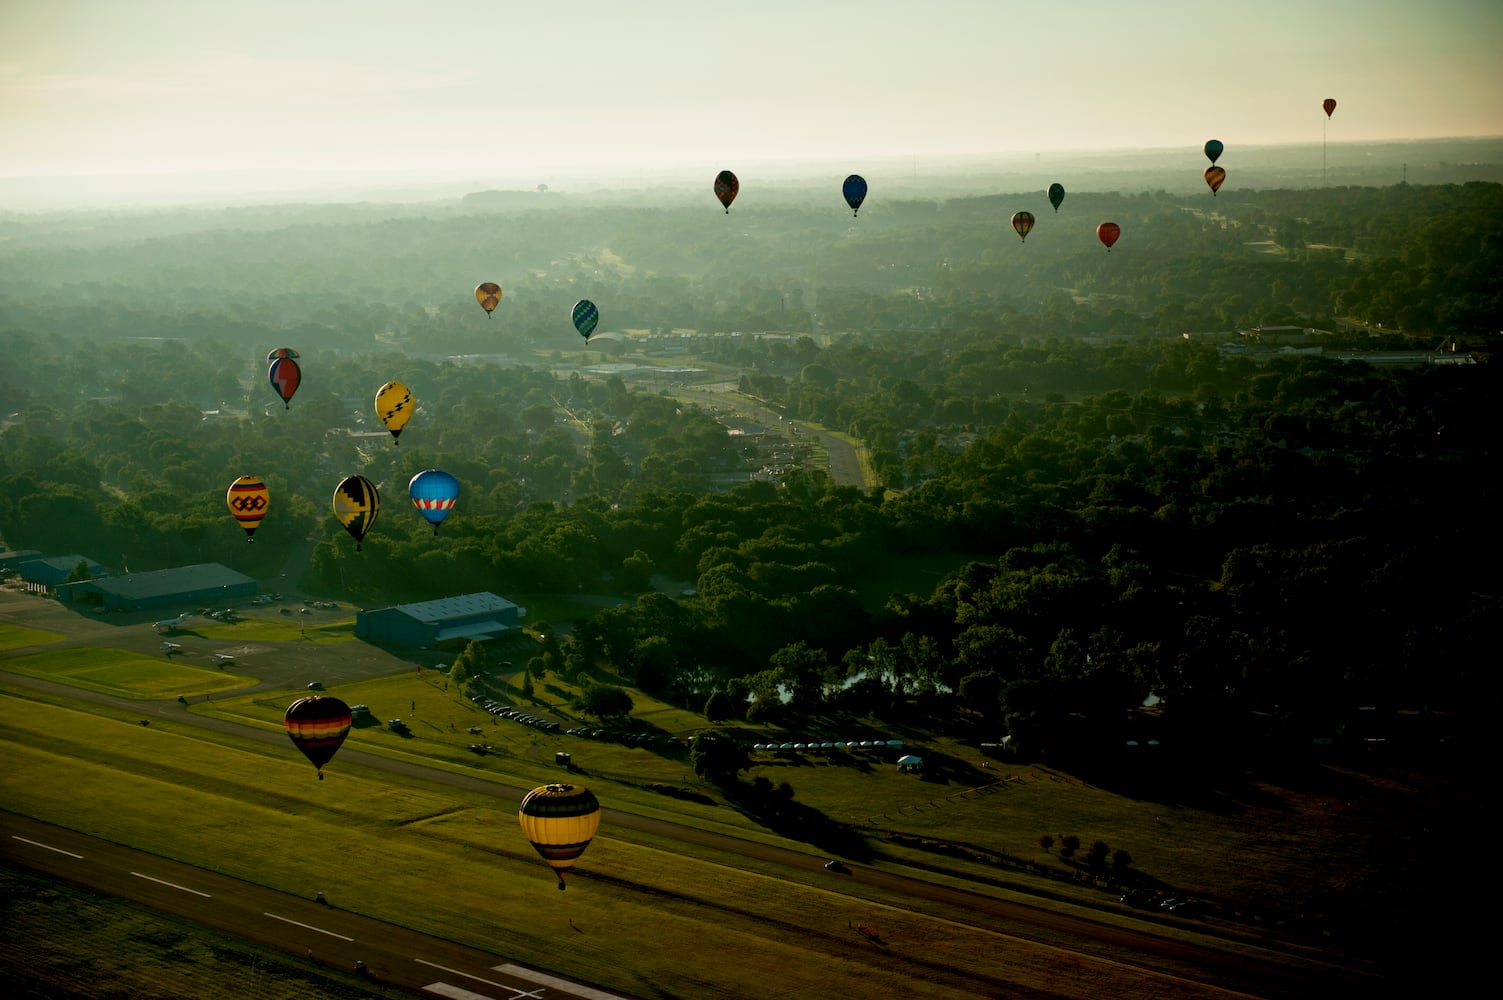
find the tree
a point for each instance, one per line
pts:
(717, 757)
(719, 707)
(605, 701)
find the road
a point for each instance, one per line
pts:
(1236, 965)
(844, 458)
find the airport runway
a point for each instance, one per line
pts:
(327, 935)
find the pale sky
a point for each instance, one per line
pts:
(146, 86)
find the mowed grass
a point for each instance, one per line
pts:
(454, 863)
(123, 674)
(19, 637)
(1249, 846)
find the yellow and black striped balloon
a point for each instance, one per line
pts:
(356, 504)
(560, 820)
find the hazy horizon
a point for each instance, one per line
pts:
(457, 88)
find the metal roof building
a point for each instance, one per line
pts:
(428, 623)
(204, 584)
(50, 571)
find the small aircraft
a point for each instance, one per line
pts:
(222, 658)
(167, 624)
(171, 647)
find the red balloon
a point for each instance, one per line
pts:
(1329, 104)
(1107, 233)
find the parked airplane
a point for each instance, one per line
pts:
(222, 658)
(171, 647)
(171, 623)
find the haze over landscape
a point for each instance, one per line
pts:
(1043, 566)
(348, 97)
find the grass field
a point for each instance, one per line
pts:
(454, 864)
(19, 637)
(125, 675)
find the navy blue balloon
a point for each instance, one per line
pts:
(1213, 149)
(854, 190)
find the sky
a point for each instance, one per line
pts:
(501, 88)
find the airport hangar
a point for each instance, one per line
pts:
(448, 619)
(183, 588)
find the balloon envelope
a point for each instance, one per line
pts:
(1329, 104)
(318, 725)
(281, 352)
(854, 190)
(285, 376)
(1214, 178)
(1213, 149)
(248, 500)
(1056, 194)
(1023, 223)
(586, 317)
(356, 504)
(559, 820)
(726, 187)
(1107, 233)
(434, 494)
(488, 294)
(394, 406)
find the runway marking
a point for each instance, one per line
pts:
(38, 843)
(462, 994)
(307, 927)
(172, 885)
(543, 979)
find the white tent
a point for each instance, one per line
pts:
(908, 762)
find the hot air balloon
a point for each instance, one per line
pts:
(1329, 104)
(281, 352)
(726, 187)
(318, 725)
(854, 190)
(586, 318)
(1214, 177)
(433, 493)
(1213, 149)
(285, 376)
(560, 820)
(356, 504)
(1023, 223)
(394, 406)
(1056, 194)
(248, 501)
(488, 294)
(1107, 233)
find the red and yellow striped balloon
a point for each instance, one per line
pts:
(248, 500)
(318, 725)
